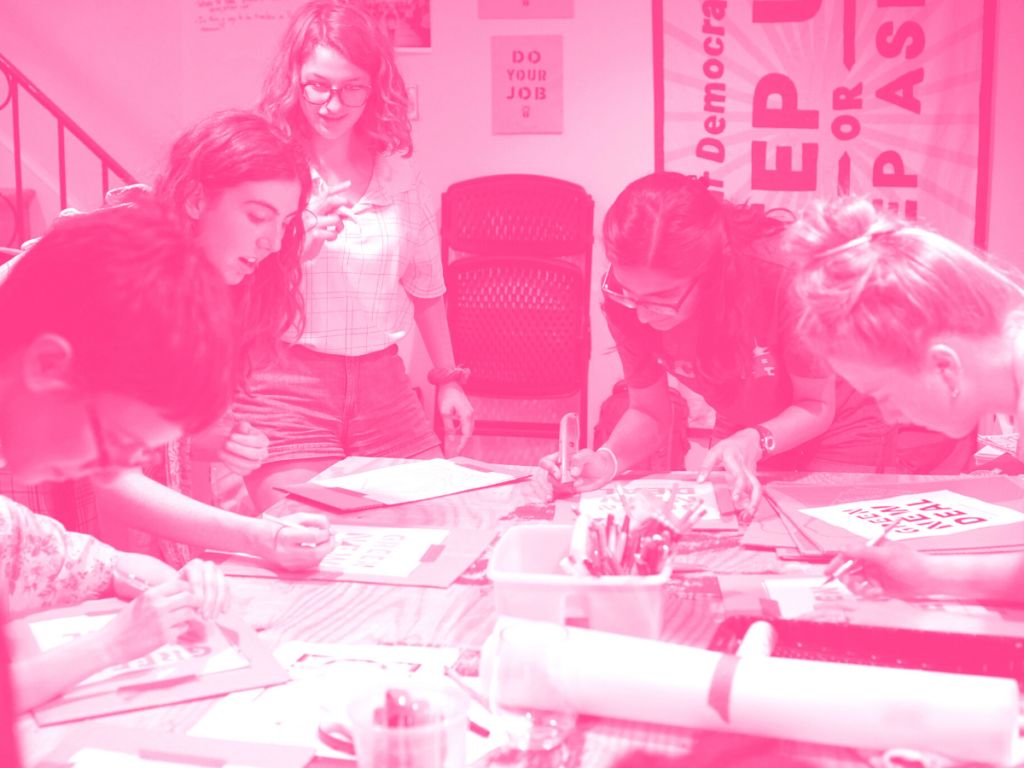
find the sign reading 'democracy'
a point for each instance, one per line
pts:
(938, 513)
(526, 84)
(783, 101)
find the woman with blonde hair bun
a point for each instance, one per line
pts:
(935, 334)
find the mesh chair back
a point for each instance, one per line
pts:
(520, 326)
(516, 250)
(517, 213)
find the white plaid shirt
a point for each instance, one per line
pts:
(357, 289)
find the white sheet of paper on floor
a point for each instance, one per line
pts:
(936, 513)
(415, 481)
(690, 495)
(380, 551)
(325, 677)
(90, 757)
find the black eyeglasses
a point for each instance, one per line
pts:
(319, 94)
(657, 307)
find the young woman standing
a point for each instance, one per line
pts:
(373, 265)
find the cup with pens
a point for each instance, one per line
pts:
(416, 726)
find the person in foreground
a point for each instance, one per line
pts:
(933, 332)
(115, 338)
(698, 289)
(235, 187)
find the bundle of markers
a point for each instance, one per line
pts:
(632, 549)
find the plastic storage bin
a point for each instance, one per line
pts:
(529, 584)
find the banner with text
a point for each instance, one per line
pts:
(781, 101)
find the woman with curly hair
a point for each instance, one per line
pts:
(372, 266)
(699, 288)
(237, 187)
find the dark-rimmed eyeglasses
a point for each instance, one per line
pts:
(115, 451)
(319, 94)
(657, 307)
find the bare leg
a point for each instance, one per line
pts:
(262, 482)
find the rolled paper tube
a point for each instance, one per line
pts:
(759, 640)
(966, 717)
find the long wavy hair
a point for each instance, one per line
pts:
(354, 34)
(670, 223)
(224, 150)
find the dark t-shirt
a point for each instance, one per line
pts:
(765, 388)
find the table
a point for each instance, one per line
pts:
(464, 616)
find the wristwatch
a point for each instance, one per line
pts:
(767, 440)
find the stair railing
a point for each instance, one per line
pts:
(16, 81)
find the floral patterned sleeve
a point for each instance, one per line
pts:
(46, 566)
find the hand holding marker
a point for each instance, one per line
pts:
(874, 542)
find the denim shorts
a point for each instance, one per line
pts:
(315, 405)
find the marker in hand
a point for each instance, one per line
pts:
(290, 524)
(874, 542)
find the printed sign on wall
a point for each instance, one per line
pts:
(782, 101)
(524, 9)
(526, 84)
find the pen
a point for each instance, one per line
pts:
(874, 542)
(475, 727)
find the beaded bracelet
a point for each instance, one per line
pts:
(457, 373)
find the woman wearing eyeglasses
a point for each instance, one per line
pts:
(693, 291)
(373, 262)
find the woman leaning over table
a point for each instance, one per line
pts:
(933, 332)
(236, 186)
(696, 290)
(373, 263)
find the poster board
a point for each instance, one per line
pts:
(793, 498)
(808, 598)
(412, 557)
(105, 746)
(779, 102)
(151, 686)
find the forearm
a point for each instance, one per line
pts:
(140, 502)
(432, 321)
(135, 573)
(996, 577)
(37, 679)
(802, 421)
(637, 435)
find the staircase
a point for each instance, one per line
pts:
(14, 203)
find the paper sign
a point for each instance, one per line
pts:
(380, 551)
(937, 513)
(414, 481)
(526, 84)
(645, 493)
(524, 9)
